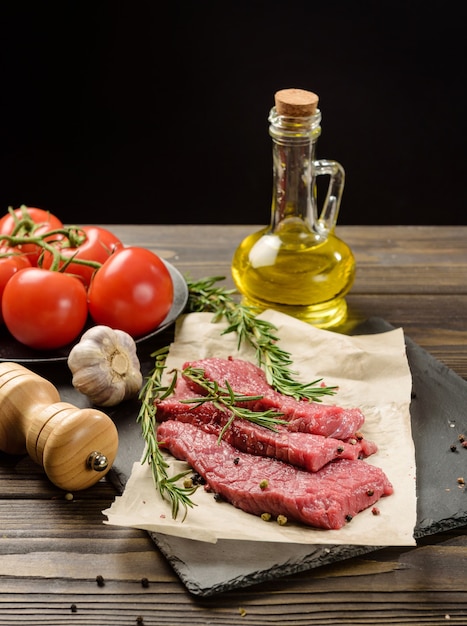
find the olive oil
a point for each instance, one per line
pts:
(297, 264)
(305, 277)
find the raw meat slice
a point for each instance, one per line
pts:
(247, 379)
(304, 450)
(325, 499)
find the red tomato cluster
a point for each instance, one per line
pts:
(48, 291)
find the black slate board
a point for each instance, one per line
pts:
(438, 416)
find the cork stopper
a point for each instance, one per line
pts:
(296, 102)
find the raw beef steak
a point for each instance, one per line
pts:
(325, 499)
(304, 450)
(304, 416)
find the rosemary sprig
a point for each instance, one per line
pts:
(206, 295)
(225, 398)
(152, 390)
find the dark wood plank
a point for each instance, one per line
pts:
(393, 259)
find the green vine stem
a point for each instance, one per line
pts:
(59, 262)
(70, 237)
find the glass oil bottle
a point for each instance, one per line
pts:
(297, 264)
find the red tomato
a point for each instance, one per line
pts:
(43, 309)
(47, 222)
(96, 244)
(132, 291)
(10, 263)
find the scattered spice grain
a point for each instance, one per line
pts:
(197, 479)
(145, 583)
(100, 580)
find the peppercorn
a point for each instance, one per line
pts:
(100, 580)
(263, 484)
(197, 479)
(145, 583)
(281, 520)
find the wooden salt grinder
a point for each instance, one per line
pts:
(76, 447)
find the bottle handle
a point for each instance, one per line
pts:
(327, 219)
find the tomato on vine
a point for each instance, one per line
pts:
(43, 309)
(84, 243)
(132, 291)
(75, 273)
(10, 262)
(29, 221)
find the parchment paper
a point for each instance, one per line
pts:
(371, 372)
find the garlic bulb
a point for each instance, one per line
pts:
(105, 366)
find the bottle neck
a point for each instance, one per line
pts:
(294, 192)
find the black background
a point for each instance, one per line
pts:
(143, 113)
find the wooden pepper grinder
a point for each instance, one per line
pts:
(76, 447)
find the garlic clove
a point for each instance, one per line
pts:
(105, 366)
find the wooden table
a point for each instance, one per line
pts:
(52, 549)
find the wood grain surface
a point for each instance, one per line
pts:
(52, 549)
